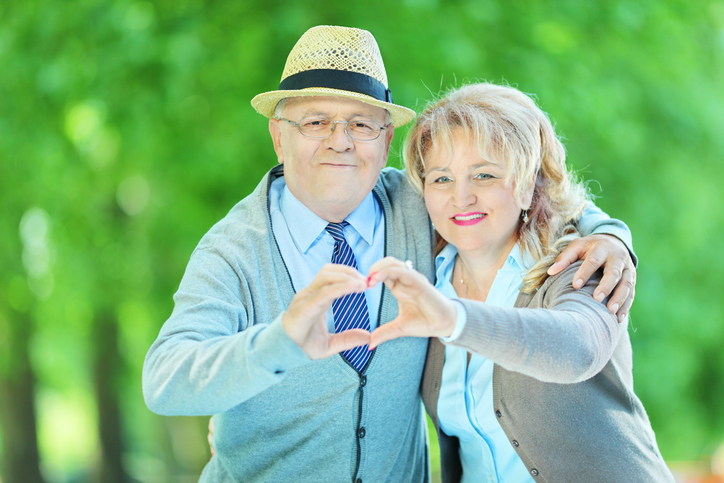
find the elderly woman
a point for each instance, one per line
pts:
(534, 381)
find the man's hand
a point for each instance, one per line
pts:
(305, 320)
(423, 310)
(619, 272)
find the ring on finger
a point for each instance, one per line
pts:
(408, 264)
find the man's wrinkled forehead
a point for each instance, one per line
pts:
(330, 107)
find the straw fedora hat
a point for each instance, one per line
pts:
(338, 62)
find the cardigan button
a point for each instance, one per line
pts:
(534, 472)
(515, 443)
(499, 414)
(363, 381)
(361, 432)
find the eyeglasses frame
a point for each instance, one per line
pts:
(334, 126)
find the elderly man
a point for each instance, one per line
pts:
(269, 336)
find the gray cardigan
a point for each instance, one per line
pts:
(278, 415)
(562, 387)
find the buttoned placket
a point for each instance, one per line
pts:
(469, 372)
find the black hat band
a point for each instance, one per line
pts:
(337, 79)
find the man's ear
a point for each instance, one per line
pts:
(276, 135)
(389, 134)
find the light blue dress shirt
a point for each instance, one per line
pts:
(306, 246)
(465, 404)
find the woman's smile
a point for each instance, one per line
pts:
(467, 219)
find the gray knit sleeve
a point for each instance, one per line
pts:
(559, 334)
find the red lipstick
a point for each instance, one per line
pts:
(468, 219)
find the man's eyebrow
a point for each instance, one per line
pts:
(314, 114)
(363, 115)
(358, 115)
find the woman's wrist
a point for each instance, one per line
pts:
(453, 320)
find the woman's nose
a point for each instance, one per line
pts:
(463, 196)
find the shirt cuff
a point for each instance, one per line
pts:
(275, 352)
(461, 318)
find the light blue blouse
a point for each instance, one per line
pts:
(465, 405)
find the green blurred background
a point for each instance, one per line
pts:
(126, 132)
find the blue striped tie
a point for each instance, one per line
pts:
(350, 311)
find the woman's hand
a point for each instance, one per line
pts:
(423, 310)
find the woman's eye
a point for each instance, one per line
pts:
(483, 176)
(441, 179)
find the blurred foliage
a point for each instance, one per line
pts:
(126, 132)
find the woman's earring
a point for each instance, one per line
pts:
(525, 216)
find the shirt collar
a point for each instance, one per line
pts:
(517, 260)
(363, 218)
(444, 259)
(306, 226)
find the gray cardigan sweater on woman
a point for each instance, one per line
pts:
(562, 387)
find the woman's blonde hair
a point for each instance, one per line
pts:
(507, 125)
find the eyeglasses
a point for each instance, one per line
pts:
(321, 128)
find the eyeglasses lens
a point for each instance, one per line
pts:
(320, 128)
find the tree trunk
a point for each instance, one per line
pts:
(21, 461)
(107, 382)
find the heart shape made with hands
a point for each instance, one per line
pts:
(423, 311)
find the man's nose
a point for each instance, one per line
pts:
(339, 140)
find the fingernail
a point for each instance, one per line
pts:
(599, 296)
(614, 308)
(578, 283)
(621, 317)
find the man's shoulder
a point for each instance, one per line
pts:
(393, 183)
(394, 179)
(247, 218)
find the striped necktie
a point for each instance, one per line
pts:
(350, 311)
